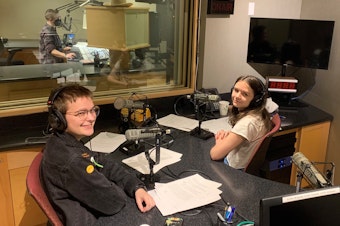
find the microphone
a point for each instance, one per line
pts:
(309, 171)
(204, 96)
(122, 103)
(137, 134)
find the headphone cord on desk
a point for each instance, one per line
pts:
(206, 213)
(170, 173)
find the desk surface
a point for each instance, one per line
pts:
(242, 190)
(24, 43)
(15, 130)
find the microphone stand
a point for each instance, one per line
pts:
(150, 179)
(329, 177)
(198, 131)
(299, 177)
(330, 173)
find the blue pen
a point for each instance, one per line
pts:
(229, 213)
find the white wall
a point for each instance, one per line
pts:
(325, 93)
(23, 19)
(226, 41)
(226, 47)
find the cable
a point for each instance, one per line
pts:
(209, 217)
(246, 223)
(169, 175)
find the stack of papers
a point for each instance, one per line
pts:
(106, 142)
(187, 124)
(141, 164)
(185, 194)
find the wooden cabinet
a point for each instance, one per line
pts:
(17, 207)
(312, 142)
(117, 28)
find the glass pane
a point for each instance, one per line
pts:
(145, 49)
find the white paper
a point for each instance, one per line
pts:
(185, 194)
(251, 8)
(215, 125)
(178, 122)
(141, 164)
(106, 142)
(187, 124)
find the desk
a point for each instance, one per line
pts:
(16, 154)
(240, 189)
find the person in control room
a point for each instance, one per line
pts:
(50, 47)
(81, 184)
(249, 119)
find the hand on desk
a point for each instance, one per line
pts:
(70, 55)
(67, 48)
(143, 200)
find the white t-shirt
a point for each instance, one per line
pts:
(252, 128)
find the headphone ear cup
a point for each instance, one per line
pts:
(56, 120)
(258, 99)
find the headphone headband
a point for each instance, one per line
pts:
(54, 94)
(56, 119)
(258, 98)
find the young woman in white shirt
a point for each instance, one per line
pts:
(249, 119)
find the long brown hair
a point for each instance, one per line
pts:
(256, 106)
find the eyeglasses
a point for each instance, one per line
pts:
(84, 113)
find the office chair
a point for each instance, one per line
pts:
(256, 161)
(36, 190)
(8, 61)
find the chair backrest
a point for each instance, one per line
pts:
(256, 161)
(35, 189)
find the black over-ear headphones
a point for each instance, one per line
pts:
(258, 98)
(56, 119)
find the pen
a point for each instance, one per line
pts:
(220, 217)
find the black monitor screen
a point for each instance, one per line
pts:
(300, 43)
(317, 207)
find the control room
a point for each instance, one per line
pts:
(169, 69)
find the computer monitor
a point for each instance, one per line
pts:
(314, 207)
(69, 39)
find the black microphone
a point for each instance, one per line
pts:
(122, 103)
(137, 134)
(204, 96)
(309, 171)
